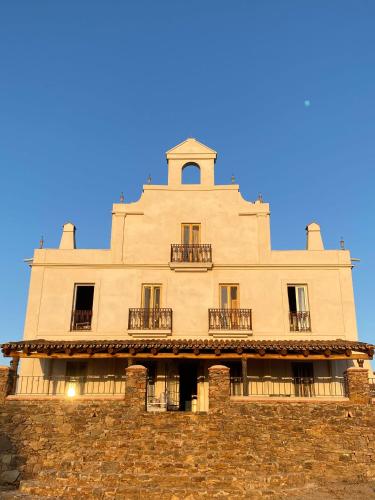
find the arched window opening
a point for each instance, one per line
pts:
(191, 174)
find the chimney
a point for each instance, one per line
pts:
(313, 237)
(68, 237)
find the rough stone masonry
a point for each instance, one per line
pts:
(239, 449)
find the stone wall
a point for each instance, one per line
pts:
(358, 385)
(114, 449)
(76, 449)
(4, 382)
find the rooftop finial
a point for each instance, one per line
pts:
(233, 179)
(41, 242)
(260, 198)
(122, 197)
(149, 179)
(342, 243)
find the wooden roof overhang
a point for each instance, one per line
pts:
(192, 348)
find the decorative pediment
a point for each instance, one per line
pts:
(191, 148)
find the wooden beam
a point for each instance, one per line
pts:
(167, 355)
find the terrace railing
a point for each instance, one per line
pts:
(294, 387)
(150, 319)
(230, 319)
(191, 253)
(90, 385)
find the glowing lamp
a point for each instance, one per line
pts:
(71, 392)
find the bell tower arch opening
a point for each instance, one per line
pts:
(191, 162)
(191, 173)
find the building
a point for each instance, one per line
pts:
(190, 280)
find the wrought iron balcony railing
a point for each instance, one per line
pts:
(81, 319)
(300, 321)
(191, 253)
(150, 319)
(230, 319)
(303, 387)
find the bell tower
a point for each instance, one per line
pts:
(191, 152)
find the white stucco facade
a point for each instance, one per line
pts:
(142, 234)
(140, 254)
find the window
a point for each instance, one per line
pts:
(82, 310)
(228, 316)
(151, 312)
(190, 249)
(229, 296)
(151, 296)
(299, 315)
(190, 233)
(297, 295)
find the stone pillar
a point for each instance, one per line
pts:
(218, 387)
(136, 385)
(4, 382)
(358, 385)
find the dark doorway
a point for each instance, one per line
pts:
(303, 370)
(303, 376)
(76, 369)
(188, 385)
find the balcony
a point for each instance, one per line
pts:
(155, 322)
(230, 322)
(192, 257)
(300, 321)
(81, 319)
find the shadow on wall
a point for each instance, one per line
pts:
(9, 474)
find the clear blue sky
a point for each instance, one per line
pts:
(92, 93)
